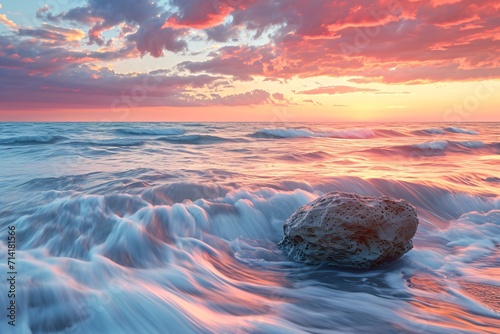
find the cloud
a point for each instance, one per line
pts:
(152, 37)
(331, 90)
(36, 56)
(200, 14)
(69, 34)
(103, 15)
(319, 38)
(393, 42)
(241, 62)
(223, 33)
(255, 97)
(50, 32)
(68, 79)
(279, 97)
(361, 38)
(5, 21)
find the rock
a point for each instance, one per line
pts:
(350, 230)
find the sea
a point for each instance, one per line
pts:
(173, 227)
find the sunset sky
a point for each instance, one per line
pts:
(250, 60)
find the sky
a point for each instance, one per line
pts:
(250, 60)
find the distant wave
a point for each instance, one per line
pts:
(432, 145)
(389, 133)
(352, 134)
(493, 179)
(453, 146)
(118, 142)
(431, 131)
(460, 130)
(470, 144)
(283, 133)
(32, 140)
(307, 156)
(302, 133)
(439, 131)
(196, 139)
(437, 147)
(153, 132)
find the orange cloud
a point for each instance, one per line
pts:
(337, 90)
(7, 22)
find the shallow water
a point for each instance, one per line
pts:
(172, 228)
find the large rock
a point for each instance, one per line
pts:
(349, 230)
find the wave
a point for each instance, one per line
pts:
(197, 139)
(282, 133)
(453, 129)
(307, 156)
(32, 140)
(442, 131)
(470, 144)
(492, 179)
(389, 133)
(438, 147)
(432, 131)
(302, 133)
(154, 132)
(432, 145)
(96, 258)
(234, 213)
(115, 142)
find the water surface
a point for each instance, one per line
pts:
(172, 228)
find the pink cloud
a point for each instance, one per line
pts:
(331, 90)
(365, 39)
(387, 41)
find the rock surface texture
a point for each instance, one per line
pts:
(349, 230)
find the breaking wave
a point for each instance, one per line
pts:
(181, 265)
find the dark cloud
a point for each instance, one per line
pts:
(153, 38)
(223, 33)
(41, 33)
(200, 13)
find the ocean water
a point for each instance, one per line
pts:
(172, 227)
